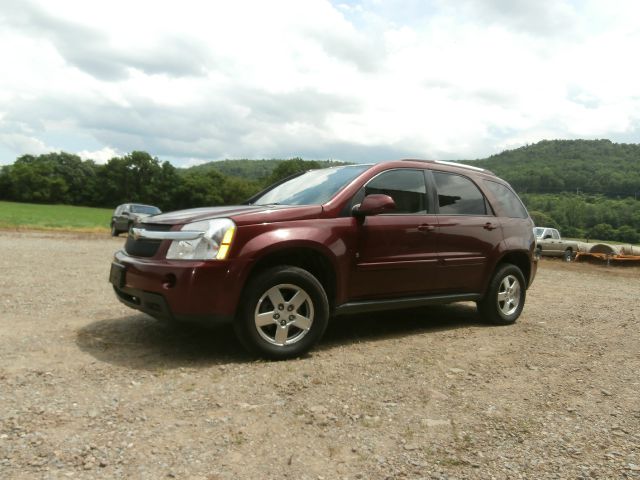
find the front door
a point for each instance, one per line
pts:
(396, 252)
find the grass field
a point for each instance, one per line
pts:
(54, 217)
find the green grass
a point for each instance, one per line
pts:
(54, 217)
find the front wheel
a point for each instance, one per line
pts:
(504, 300)
(284, 312)
(567, 255)
(114, 230)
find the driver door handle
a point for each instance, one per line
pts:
(490, 226)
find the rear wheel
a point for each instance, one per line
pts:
(567, 255)
(114, 230)
(504, 300)
(284, 312)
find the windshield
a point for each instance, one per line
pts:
(538, 231)
(311, 188)
(144, 209)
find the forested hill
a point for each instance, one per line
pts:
(550, 166)
(258, 169)
(578, 166)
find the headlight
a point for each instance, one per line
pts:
(213, 243)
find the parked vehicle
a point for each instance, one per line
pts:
(124, 216)
(335, 241)
(549, 243)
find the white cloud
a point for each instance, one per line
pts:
(102, 155)
(24, 144)
(360, 81)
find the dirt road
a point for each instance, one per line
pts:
(91, 389)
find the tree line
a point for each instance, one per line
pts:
(64, 178)
(585, 188)
(586, 216)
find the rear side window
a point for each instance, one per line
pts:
(509, 201)
(406, 187)
(457, 195)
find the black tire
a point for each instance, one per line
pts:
(505, 297)
(567, 256)
(114, 230)
(538, 253)
(289, 329)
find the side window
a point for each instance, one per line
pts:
(406, 187)
(508, 200)
(118, 211)
(555, 234)
(457, 195)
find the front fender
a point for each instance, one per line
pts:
(334, 239)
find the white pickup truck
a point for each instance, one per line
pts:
(549, 243)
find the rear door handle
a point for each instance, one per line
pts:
(425, 228)
(489, 226)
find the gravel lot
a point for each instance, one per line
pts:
(91, 389)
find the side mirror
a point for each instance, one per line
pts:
(374, 205)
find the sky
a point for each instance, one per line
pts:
(357, 80)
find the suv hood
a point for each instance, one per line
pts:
(240, 214)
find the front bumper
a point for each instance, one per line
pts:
(184, 291)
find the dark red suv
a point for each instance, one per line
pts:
(335, 241)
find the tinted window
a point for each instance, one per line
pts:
(457, 195)
(509, 201)
(405, 186)
(311, 188)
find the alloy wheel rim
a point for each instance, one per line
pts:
(284, 314)
(509, 295)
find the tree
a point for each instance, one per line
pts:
(290, 167)
(628, 234)
(541, 219)
(602, 231)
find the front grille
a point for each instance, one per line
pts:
(145, 247)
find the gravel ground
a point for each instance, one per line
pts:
(90, 389)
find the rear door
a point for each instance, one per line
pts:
(396, 252)
(469, 235)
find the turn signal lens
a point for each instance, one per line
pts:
(225, 244)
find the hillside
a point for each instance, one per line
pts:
(250, 169)
(579, 166)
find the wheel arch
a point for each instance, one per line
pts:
(521, 260)
(306, 257)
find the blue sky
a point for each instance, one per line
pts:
(361, 81)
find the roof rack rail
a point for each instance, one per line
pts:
(461, 165)
(453, 164)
